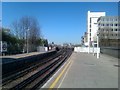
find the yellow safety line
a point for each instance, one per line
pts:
(65, 75)
(57, 79)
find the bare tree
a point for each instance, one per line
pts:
(28, 29)
(15, 26)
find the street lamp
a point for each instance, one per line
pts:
(108, 38)
(98, 51)
(93, 48)
(88, 43)
(89, 47)
(27, 40)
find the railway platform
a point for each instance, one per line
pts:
(16, 63)
(83, 70)
(23, 55)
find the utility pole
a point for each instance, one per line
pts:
(93, 47)
(88, 44)
(27, 41)
(98, 45)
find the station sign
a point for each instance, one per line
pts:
(3, 46)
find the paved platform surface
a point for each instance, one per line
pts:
(21, 55)
(83, 70)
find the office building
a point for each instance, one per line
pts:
(84, 39)
(92, 26)
(109, 31)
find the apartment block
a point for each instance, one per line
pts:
(92, 26)
(109, 31)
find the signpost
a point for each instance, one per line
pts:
(3, 46)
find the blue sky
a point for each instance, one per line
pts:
(60, 22)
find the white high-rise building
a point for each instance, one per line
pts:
(92, 26)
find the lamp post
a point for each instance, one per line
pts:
(88, 44)
(98, 45)
(108, 38)
(93, 48)
(27, 41)
(89, 47)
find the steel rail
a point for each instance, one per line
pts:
(44, 73)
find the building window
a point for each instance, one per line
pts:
(103, 24)
(111, 29)
(99, 24)
(111, 19)
(107, 24)
(111, 24)
(90, 20)
(90, 30)
(90, 25)
(115, 29)
(116, 24)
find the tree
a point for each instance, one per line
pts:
(16, 30)
(27, 29)
(45, 41)
(12, 42)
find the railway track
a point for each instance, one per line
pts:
(27, 70)
(37, 75)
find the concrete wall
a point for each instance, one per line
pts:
(115, 52)
(86, 49)
(11, 65)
